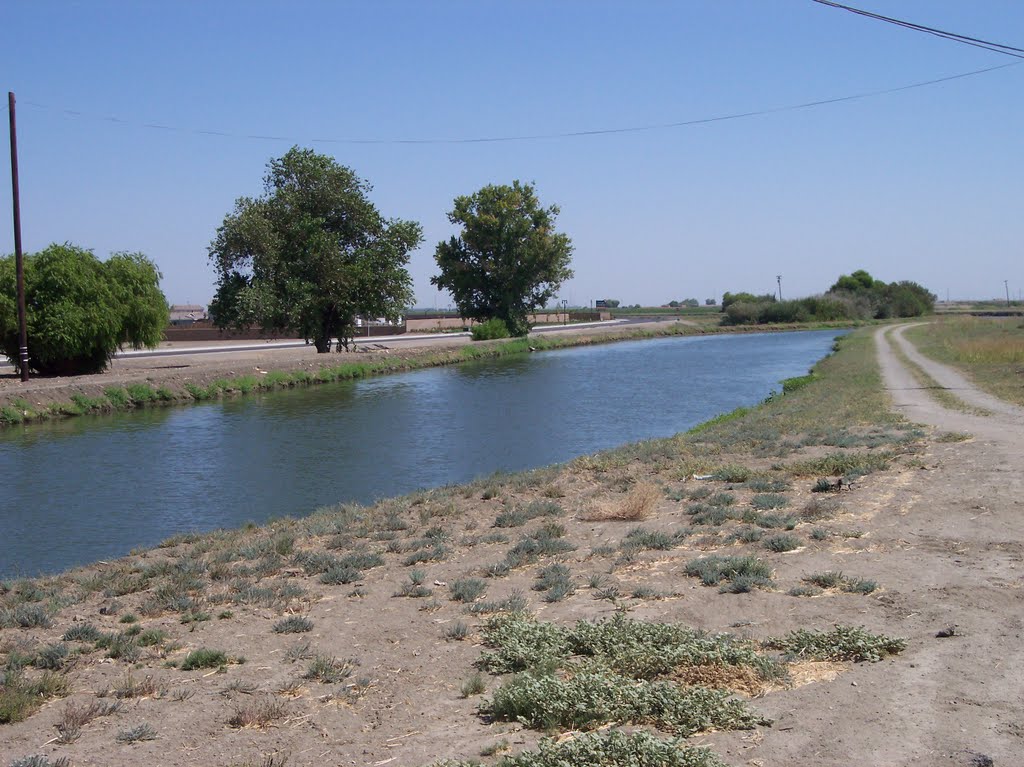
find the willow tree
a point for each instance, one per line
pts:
(81, 310)
(311, 254)
(508, 260)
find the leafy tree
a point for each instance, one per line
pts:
(507, 260)
(709, 302)
(311, 254)
(857, 282)
(611, 303)
(80, 310)
(745, 298)
(673, 304)
(882, 300)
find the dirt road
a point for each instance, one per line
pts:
(948, 544)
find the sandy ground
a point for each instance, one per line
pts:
(948, 542)
(943, 534)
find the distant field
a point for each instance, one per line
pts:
(989, 350)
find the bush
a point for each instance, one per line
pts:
(613, 749)
(847, 643)
(591, 698)
(80, 309)
(490, 330)
(203, 658)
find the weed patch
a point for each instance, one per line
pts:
(714, 569)
(843, 643)
(591, 698)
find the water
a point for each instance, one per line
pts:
(93, 488)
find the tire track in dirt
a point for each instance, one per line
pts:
(965, 525)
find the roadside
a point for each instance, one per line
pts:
(176, 374)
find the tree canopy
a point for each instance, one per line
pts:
(507, 260)
(882, 300)
(857, 296)
(80, 310)
(311, 254)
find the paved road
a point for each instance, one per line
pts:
(218, 347)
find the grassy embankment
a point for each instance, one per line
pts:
(478, 560)
(139, 395)
(989, 351)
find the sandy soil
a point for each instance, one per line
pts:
(943, 534)
(948, 542)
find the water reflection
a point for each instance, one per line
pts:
(89, 489)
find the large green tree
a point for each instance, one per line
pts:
(507, 260)
(311, 254)
(80, 310)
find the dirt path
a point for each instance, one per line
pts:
(964, 695)
(947, 543)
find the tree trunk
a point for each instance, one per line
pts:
(322, 343)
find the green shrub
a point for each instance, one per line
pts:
(293, 624)
(467, 589)
(764, 501)
(81, 632)
(593, 697)
(329, 670)
(141, 393)
(781, 543)
(843, 643)
(491, 329)
(25, 616)
(712, 570)
(613, 749)
(521, 642)
(80, 309)
(203, 658)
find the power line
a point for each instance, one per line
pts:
(529, 137)
(1006, 50)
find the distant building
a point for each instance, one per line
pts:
(183, 315)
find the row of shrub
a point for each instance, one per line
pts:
(853, 297)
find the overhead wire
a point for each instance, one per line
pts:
(1006, 50)
(533, 136)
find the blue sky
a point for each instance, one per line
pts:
(923, 184)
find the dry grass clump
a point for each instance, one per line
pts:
(76, 715)
(721, 676)
(638, 503)
(258, 713)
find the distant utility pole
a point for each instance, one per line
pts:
(778, 278)
(1006, 284)
(19, 265)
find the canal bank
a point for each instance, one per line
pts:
(385, 666)
(133, 382)
(234, 460)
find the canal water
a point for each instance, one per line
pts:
(94, 487)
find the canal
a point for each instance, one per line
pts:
(94, 487)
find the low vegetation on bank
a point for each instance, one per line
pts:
(543, 603)
(112, 399)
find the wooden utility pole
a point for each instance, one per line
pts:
(19, 265)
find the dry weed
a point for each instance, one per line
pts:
(740, 679)
(259, 713)
(637, 504)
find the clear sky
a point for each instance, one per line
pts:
(923, 184)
